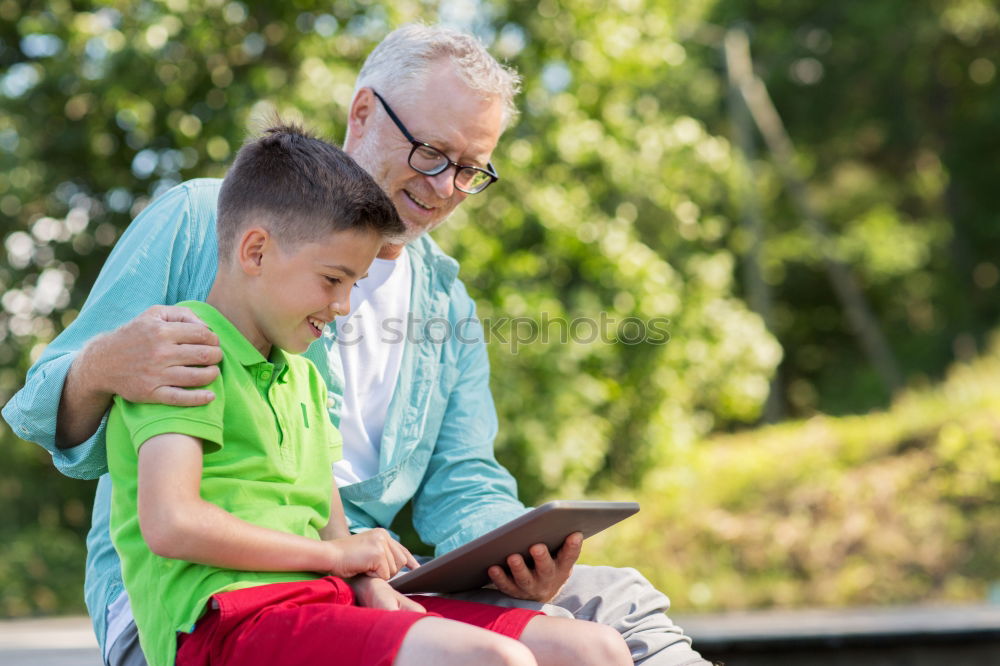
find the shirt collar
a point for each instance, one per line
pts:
(235, 342)
(425, 252)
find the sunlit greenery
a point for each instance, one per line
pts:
(892, 507)
(621, 200)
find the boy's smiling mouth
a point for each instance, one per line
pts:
(316, 325)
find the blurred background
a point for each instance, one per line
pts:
(806, 190)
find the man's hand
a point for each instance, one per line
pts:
(374, 553)
(377, 593)
(158, 355)
(153, 358)
(547, 578)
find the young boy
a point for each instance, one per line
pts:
(232, 537)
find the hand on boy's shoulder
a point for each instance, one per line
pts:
(157, 357)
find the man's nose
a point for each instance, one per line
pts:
(443, 183)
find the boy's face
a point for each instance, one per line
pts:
(303, 287)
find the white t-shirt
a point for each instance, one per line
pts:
(371, 341)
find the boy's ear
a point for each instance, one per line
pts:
(254, 243)
(359, 118)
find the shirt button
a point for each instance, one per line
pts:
(266, 375)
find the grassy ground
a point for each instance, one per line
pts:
(901, 506)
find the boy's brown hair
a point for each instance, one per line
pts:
(300, 188)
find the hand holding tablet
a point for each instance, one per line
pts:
(540, 576)
(465, 568)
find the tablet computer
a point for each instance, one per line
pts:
(465, 567)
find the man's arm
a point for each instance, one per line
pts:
(177, 523)
(167, 254)
(466, 492)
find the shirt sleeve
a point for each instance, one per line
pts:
(148, 266)
(143, 421)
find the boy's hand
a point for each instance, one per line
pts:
(544, 581)
(373, 553)
(377, 593)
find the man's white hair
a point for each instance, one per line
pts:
(399, 62)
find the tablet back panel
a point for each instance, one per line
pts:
(465, 568)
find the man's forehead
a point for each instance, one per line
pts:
(443, 110)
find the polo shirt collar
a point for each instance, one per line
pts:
(235, 342)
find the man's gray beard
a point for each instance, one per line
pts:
(366, 154)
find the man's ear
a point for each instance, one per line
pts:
(361, 114)
(254, 244)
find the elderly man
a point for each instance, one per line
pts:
(417, 416)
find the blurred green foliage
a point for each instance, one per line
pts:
(901, 506)
(894, 108)
(619, 203)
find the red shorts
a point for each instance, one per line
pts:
(316, 621)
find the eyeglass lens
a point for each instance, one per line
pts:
(431, 161)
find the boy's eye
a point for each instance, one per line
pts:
(332, 280)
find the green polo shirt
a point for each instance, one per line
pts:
(268, 450)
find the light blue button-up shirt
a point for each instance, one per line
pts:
(437, 443)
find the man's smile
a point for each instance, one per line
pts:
(412, 197)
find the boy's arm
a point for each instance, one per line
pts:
(177, 523)
(337, 527)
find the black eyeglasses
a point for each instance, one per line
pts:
(428, 160)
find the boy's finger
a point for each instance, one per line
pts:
(408, 559)
(398, 554)
(411, 561)
(387, 566)
(380, 570)
(406, 603)
(397, 557)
